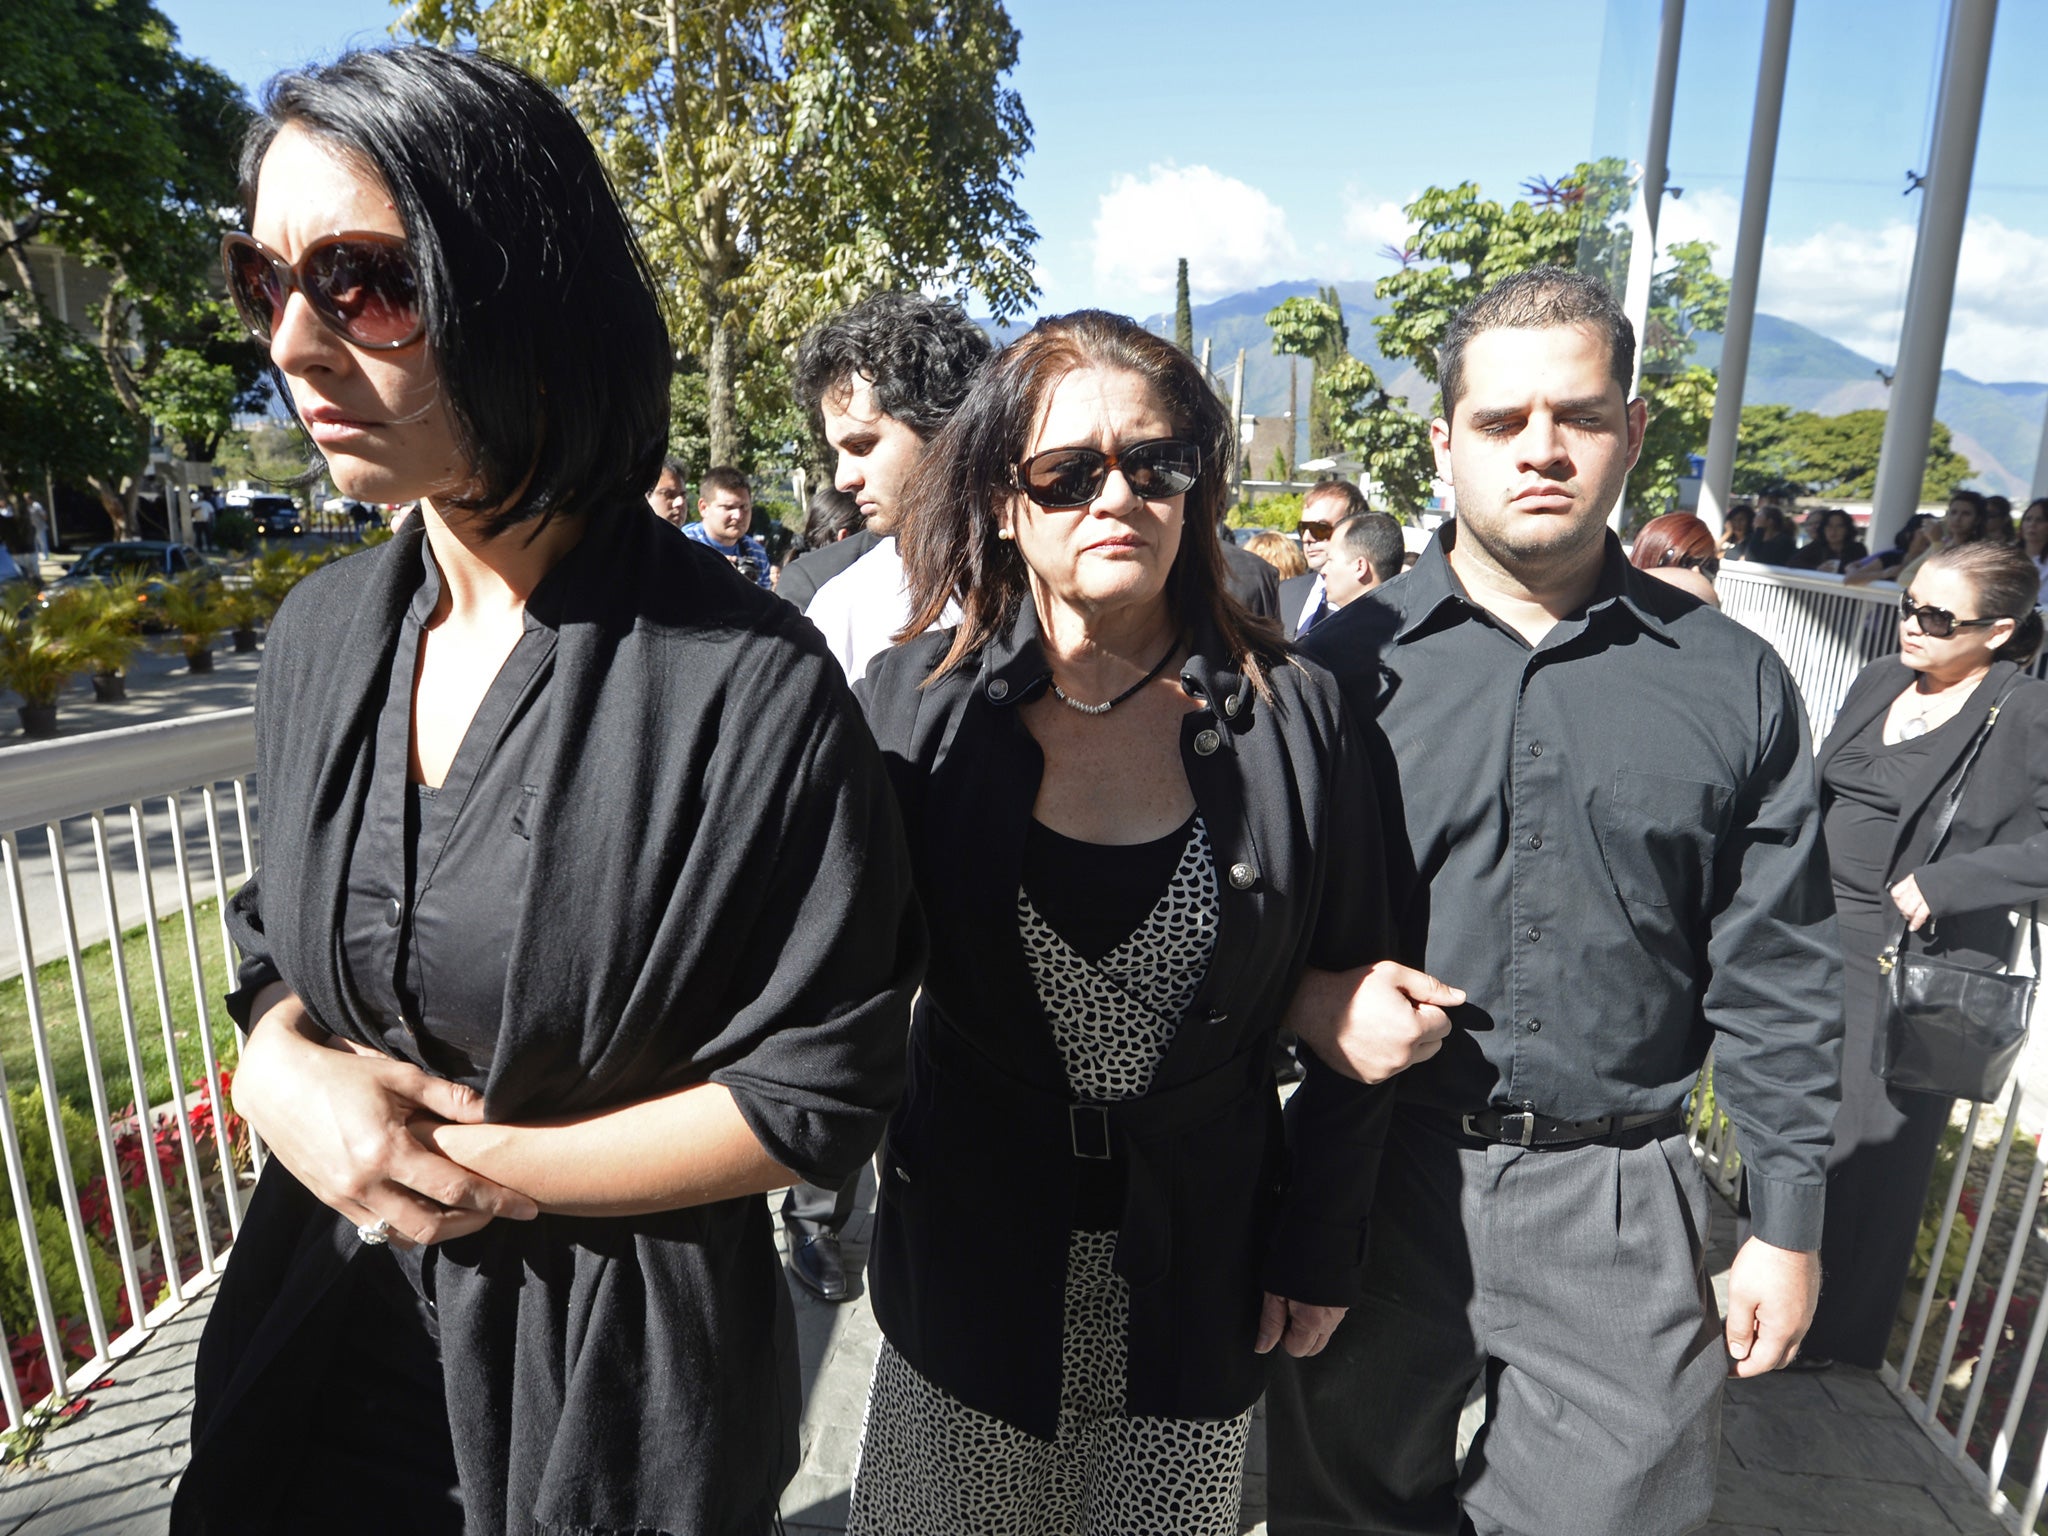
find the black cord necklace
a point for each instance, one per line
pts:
(1103, 709)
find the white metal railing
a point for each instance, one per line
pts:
(1825, 630)
(1968, 1366)
(141, 1202)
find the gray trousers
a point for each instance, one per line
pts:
(1574, 1280)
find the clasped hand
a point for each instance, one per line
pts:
(345, 1121)
(1375, 1021)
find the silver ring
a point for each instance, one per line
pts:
(375, 1235)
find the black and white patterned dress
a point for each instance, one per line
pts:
(932, 1466)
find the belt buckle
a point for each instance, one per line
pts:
(1088, 1126)
(1526, 1137)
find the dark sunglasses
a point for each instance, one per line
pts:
(1936, 623)
(1314, 528)
(1064, 478)
(1708, 566)
(362, 287)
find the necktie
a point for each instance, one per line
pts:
(1315, 617)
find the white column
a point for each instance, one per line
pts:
(1649, 196)
(1749, 260)
(2041, 460)
(1747, 265)
(1945, 194)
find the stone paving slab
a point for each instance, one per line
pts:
(1832, 1454)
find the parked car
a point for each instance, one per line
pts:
(156, 561)
(272, 512)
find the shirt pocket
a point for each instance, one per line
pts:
(1657, 837)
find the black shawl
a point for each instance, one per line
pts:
(722, 892)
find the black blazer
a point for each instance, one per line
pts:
(979, 1167)
(1996, 853)
(1251, 581)
(718, 890)
(1293, 594)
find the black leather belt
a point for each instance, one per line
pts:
(1526, 1128)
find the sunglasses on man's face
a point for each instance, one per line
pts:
(1312, 528)
(1063, 478)
(361, 286)
(1936, 623)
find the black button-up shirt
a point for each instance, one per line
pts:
(1612, 843)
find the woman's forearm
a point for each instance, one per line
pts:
(687, 1147)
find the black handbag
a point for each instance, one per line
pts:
(1950, 1029)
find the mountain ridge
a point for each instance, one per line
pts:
(1996, 426)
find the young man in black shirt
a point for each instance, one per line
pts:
(1608, 833)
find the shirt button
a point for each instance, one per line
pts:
(998, 689)
(394, 912)
(1535, 1025)
(1535, 749)
(1535, 934)
(1243, 876)
(1219, 1016)
(1206, 742)
(1535, 839)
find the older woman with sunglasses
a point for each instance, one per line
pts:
(562, 951)
(1135, 820)
(1967, 627)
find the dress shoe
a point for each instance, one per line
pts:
(817, 1266)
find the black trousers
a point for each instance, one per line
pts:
(1885, 1143)
(809, 1209)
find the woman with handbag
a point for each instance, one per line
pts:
(1934, 782)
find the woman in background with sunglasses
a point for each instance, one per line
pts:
(1134, 820)
(1967, 626)
(562, 950)
(1679, 549)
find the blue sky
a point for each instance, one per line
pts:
(1279, 139)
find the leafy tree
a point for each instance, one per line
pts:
(1364, 418)
(120, 151)
(1785, 452)
(1183, 311)
(59, 416)
(1462, 244)
(781, 158)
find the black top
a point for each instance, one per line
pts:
(1811, 557)
(1867, 783)
(1996, 854)
(1612, 843)
(802, 577)
(716, 891)
(1211, 1217)
(429, 904)
(1766, 551)
(1095, 894)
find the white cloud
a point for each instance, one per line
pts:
(1231, 233)
(1369, 226)
(1849, 284)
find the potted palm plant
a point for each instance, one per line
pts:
(242, 609)
(192, 609)
(102, 626)
(36, 663)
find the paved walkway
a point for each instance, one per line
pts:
(1801, 1455)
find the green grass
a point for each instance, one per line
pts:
(60, 1017)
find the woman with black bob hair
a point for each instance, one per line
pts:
(562, 950)
(1968, 628)
(1135, 821)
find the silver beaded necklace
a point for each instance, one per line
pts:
(1103, 709)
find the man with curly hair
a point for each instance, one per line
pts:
(880, 378)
